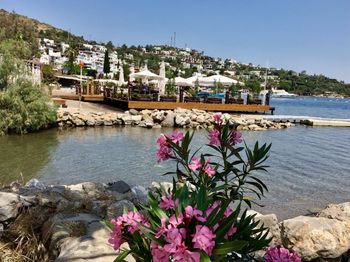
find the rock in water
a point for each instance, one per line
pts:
(119, 186)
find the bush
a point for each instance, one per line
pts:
(202, 218)
(24, 107)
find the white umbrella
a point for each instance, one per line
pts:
(193, 79)
(161, 84)
(212, 80)
(121, 76)
(146, 74)
(180, 81)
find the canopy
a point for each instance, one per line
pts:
(146, 74)
(194, 78)
(211, 80)
(180, 81)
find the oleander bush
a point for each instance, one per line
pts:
(204, 216)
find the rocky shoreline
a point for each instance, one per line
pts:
(182, 118)
(66, 221)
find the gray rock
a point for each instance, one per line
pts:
(95, 190)
(35, 183)
(119, 186)
(116, 209)
(133, 112)
(10, 204)
(168, 120)
(140, 194)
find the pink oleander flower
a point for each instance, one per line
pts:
(163, 153)
(161, 141)
(158, 253)
(162, 229)
(231, 232)
(116, 236)
(235, 137)
(176, 136)
(196, 213)
(212, 207)
(214, 137)
(217, 118)
(195, 164)
(132, 219)
(182, 254)
(167, 202)
(228, 212)
(176, 220)
(204, 239)
(174, 238)
(281, 254)
(209, 170)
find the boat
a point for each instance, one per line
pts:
(281, 93)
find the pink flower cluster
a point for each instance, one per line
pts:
(196, 164)
(164, 151)
(131, 221)
(175, 232)
(179, 240)
(215, 135)
(281, 254)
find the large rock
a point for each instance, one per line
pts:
(117, 209)
(10, 204)
(337, 211)
(315, 237)
(169, 119)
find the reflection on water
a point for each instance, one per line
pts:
(24, 156)
(309, 167)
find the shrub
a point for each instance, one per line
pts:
(24, 107)
(202, 218)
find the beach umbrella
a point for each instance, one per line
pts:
(161, 82)
(214, 79)
(146, 74)
(180, 81)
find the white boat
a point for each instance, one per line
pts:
(281, 93)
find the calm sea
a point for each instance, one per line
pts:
(309, 167)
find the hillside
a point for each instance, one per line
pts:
(181, 62)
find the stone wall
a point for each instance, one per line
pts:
(70, 219)
(182, 118)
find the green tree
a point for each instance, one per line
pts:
(71, 53)
(48, 74)
(106, 65)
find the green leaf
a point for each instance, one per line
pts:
(205, 257)
(231, 246)
(122, 255)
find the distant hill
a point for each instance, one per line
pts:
(17, 26)
(13, 25)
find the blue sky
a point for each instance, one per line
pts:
(311, 35)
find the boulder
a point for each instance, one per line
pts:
(168, 120)
(140, 194)
(119, 186)
(116, 209)
(35, 183)
(315, 237)
(133, 112)
(10, 204)
(337, 211)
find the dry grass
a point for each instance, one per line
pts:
(22, 241)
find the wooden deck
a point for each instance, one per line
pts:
(124, 104)
(201, 106)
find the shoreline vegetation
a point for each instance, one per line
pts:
(68, 222)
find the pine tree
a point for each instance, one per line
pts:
(106, 66)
